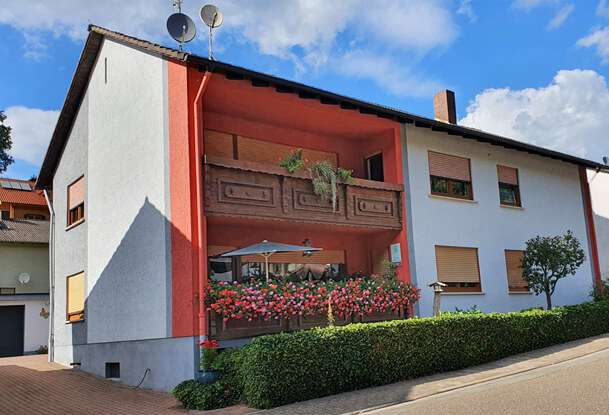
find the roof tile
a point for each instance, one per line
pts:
(24, 231)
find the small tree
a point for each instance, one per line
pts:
(5, 144)
(548, 259)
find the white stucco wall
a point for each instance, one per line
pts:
(129, 279)
(552, 203)
(36, 327)
(599, 194)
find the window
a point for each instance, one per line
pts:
(450, 175)
(76, 201)
(458, 268)
(294, 265)
(508, 186)
(374, 168)
(31, 216)
(76, 297)
(6, 291)
(514, 273)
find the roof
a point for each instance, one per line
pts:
(93, 43)
(21, 196)
(24, 231)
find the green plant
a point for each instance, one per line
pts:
(324, 178)
(5, 144)
(600, 291)
(293, 161)
(209, 352)
(391, 270)
(462, 312)
(226, 391)
(43, 350)
(548, 259)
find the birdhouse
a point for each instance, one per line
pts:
(437, 286)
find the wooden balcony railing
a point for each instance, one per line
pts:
(252, 190)
(241, 328)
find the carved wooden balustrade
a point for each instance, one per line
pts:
(252, 190)
(242, 328)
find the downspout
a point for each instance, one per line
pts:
(197, 105)
(51, 278)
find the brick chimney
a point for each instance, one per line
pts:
(444, 107)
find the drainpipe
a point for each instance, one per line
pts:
(198, 137)
(51, 278)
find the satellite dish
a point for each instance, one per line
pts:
(212, 17)
(606, 160)
(181, 28)
(24, 278)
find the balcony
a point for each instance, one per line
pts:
(244, 189)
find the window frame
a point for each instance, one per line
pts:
(516, 190)
(77, 213)
(514, 289)
(79, 315)
(449, 188)
(460, 288)
(367, 165)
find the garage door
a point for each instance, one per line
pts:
(11, 330)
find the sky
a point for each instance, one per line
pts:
(532, 70)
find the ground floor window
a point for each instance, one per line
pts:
(458, 268)
(76, 297)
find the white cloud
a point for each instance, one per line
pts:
(602, 9)
(31, 132)
(599, 38)
(569, 115)
(310, 33)
(382, 71)
(530, 4)
(466, 9)
(560, 17)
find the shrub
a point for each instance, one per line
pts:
(341, 359)
(461, 312)
(284, 368)
(226, 391)
(600, 291)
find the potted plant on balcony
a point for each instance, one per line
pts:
(209, 351)
(324, 176)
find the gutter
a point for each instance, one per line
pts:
(51, 279)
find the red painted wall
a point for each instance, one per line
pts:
(236, 107)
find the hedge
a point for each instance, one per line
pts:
(284, 368)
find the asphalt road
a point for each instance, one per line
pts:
(579, 386)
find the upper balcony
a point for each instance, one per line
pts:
(247, 189)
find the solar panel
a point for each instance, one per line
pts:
(25, 186)
(5, 184)
(15, 185)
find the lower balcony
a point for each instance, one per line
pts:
(250, 190)
(241, 328)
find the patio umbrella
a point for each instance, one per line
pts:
(265, 249)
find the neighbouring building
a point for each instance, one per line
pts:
(19, 200)
(599, 189)
(24, 286)
(163, 160)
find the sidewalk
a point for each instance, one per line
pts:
(367, 400)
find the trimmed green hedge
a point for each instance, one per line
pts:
(284, 368)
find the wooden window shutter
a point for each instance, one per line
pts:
(507, 175)
(319, 257)
(76, 293)
(514, 272)
(266, 152)
(215, 250)
(457, 264)
(76, 193)
(450, 167)
(218, 144)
